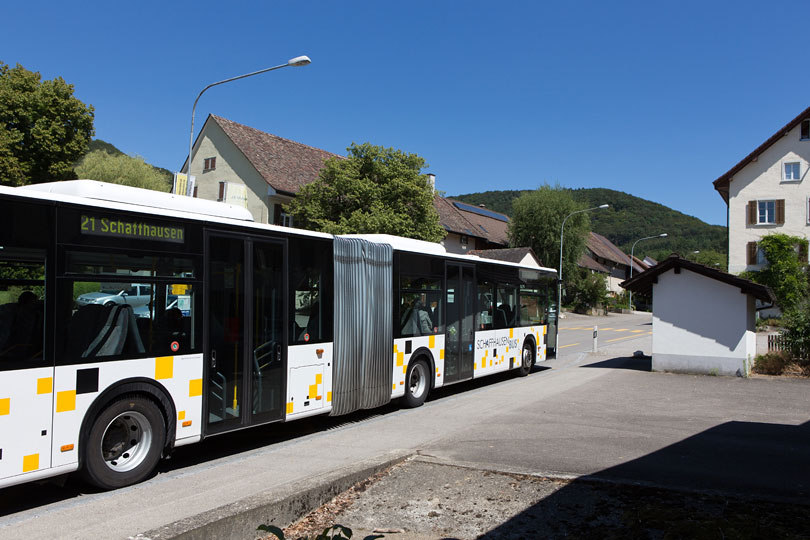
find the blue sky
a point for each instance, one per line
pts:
(650, 98)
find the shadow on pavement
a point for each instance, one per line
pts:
(637, 363)
(23, 497)
(741, 479)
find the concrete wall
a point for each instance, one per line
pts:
(701, 325)
(232, 166)
(761, 180)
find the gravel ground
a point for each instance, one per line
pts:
(419, 500)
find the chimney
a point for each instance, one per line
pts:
(432, 182)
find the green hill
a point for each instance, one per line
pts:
(630, 218)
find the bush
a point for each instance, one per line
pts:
(772, 363)
(797, 332)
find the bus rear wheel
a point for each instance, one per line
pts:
(526, 359)
(417, 384)
(125, 443)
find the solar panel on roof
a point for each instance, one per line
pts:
(480, 211)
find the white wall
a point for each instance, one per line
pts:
(701, 325)
(762, 179)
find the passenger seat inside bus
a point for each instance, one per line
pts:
(96, 330)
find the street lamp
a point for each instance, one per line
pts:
(662, 235)
(297, 61)
(559, 276)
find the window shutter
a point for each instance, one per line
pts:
(276, 214)
(752, 253)
(780, 212)
(752, 213)
(803, 251)
(221, 191)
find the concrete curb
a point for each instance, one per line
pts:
(279, 506)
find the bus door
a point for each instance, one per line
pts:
(460, 309)
(246, 360)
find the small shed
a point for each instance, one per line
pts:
(703, 318)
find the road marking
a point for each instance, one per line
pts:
(635, 331)
(571, 345)
(620, 330)
(627, 337)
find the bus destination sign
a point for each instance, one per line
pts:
(134, 230)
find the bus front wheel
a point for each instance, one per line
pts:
(125, 443)
(417, 384)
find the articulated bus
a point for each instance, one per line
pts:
(133, 322)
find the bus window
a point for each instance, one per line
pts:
(419, 309)
(121, 311)
(533, 308)
(486, 308)
(22, 295)
(311, 288)
(506, 306)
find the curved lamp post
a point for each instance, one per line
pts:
(662, 235)
(297, 61)
(559, 275)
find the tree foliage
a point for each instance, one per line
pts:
(786, 272)
(586, 289)
(44, 129)
(537, 218)
(629, 218)
(374, 190)
(122, 169)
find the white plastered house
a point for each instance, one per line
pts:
(768, 192)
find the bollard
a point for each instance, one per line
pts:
(595, 334)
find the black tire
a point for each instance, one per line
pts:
(417, 384)
(125, 443)
(526, 358)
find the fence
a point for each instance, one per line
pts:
(776, 342)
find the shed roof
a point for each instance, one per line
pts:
(643, 282)
(604, 248)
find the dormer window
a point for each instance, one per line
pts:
(805, 136)
(210, 164)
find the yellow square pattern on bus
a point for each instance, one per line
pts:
(164, 367)
(45, 385)
(66, 401)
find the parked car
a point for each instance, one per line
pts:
(134, 295)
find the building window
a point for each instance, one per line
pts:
(210, 164)
(805, 130)
(286, 220)
(766, 212)
(791, 171)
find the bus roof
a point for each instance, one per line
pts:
(400, 243)
(118, 197)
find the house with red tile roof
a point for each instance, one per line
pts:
(604, 257)
(239, 164)
(471, 227)
(242, 165)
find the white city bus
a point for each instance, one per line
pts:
(133, 322)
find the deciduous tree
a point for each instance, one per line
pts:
(44, 129)
(374, 190)
(122, 169)
(536, 220)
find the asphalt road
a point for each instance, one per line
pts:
(598, 414)
(576, 331)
